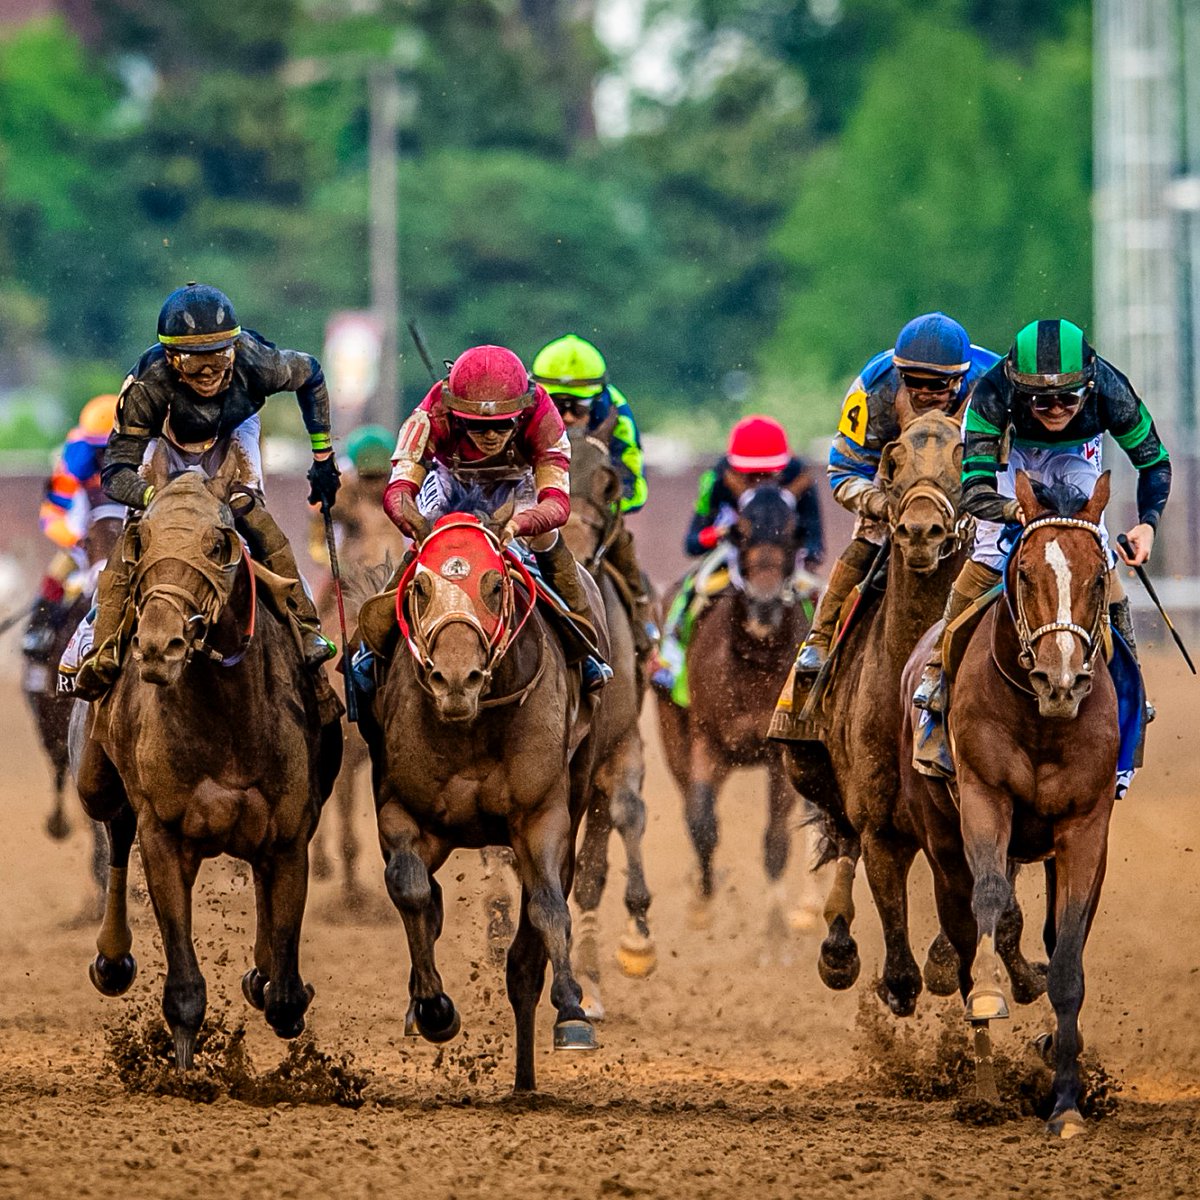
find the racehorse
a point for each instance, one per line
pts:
(52, 710)
(479, 737)
(208, 743)
(1034, 727)
(737, 660)
(616, 799)
(852, 774)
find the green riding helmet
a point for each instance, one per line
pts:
(570, 366)
(1050, 356)
(369, 448)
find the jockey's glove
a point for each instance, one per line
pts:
(874, 504)
(324, 479)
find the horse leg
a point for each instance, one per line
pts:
(948, 966)
(1049, 930)
(170, 873)
(254, 982)
(839, 964)
(636, 954)
(542, 844)
(286, 996)
(1081, 848)
(888, 859)
(525, 975)
(591, 874)
(411, 861)
(57, 824)
(1028, 979)
(113, 969)
(707, 775)
(777, 845)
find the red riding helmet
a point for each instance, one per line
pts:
(488, 382)
(758, 445)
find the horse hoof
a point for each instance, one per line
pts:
(185, 1046)
(1067, 1124)
(941, 968)
(839, 964)
(254, 988)
(898, 1005)
(1028, 986)
(289, 1023)
(637, 957)
(700, 913)
(575, 1035)
(437, 1019)
(112, 976)
(986, 1004)
(58, 827)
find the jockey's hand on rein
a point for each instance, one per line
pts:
(1141, 540)
(510, 532)
(324, 479)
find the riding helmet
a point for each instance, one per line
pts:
(198, 318)
(758, 445)
(369, 448)
(488, 383)
(572, 366)
(934, 344)
(1050, 356)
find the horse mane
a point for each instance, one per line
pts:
(464, 498)
(1063, 499)
(359, 584)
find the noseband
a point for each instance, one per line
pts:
(962, 525)
(1027, 638)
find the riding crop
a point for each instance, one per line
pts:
(1125, 545)
(347, 674)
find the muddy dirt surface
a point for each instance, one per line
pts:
(728, 1073)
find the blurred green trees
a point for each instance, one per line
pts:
(822, 170)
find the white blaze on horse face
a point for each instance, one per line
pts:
(1057, 561)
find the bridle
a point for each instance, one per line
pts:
(192, 611)
(961, 525)
(1027, 638)
(498, 642)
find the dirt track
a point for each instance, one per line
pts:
(717, 1077)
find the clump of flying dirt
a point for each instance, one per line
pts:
(141, 1051)
(914, 1062)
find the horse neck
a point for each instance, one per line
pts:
(913, 602)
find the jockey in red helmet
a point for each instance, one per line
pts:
(489, 426)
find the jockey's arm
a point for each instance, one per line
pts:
(138, 420)
(548, 448)
(627, 457)
(703, 533)
(295, 371)
(62, 490)
(851, 470)
(986, 419)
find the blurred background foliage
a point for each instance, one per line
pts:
(741, 202)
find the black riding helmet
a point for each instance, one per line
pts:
(197, 319)
(1049, 357)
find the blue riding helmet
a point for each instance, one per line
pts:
(935, 344)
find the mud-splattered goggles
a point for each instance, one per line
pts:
(196, 365)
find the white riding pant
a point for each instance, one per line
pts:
(245, 441)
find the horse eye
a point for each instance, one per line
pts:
(214, 547)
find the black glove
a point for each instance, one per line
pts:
(324, 479)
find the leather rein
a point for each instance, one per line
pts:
(420, 641)
(1028, 638)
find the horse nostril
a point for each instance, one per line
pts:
(474, 679)
(937, 532)
(903, 531)
(176, 648)
(437, 678)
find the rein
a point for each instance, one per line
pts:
(1027, 638)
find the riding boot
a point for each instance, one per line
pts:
(558, 566)
(98, 672)
(622, 555)
(269, 545)
(846, 574)
(1121, 619)
(973, 581)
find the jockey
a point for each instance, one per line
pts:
(200, 390)
(1048, 404)
(365, 535)
(575, 375)
(73, 500)
(933, 365)
(757, 454)
(489, 425)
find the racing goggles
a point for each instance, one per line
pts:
(1046, 403)
(489, 424)
(193, 365)
(924, 384)
(575, 406)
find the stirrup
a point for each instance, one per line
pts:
(318, 648)
(811, 658)
(596, 674)
(931, 748)
(930, 695)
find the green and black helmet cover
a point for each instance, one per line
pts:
(1050, 356)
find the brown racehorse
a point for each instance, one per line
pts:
(1034, 728)
(479, 737)
(616, 799)
(52, 709)
(852, 774)
(737, 660)
(208, 743)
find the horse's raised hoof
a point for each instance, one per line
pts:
(592, 1005)
(1027, 986)
(287, 1022)
(941, 967)
(112, 976)
(575, 1035)
(437, 1019)
(839, 964)
(1067, 1124)
(637, 956)
(254, 988)
(185, 1046)
(898, 1004)
(57, 826)
(986, 1004)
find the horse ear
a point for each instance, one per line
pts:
(502, 515)
(1029, 503)
(1099, 501)
(887, 465)
(417, 521)
(604, 430)
(221, 484)
(157, 472)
